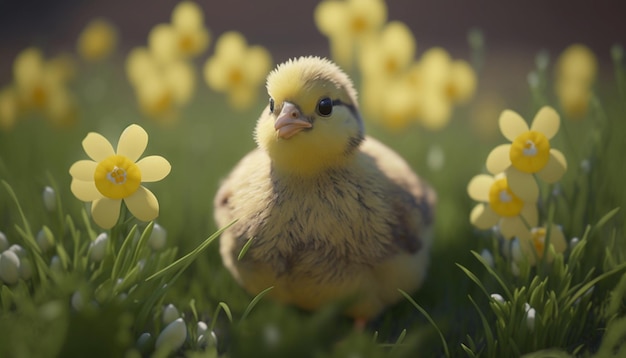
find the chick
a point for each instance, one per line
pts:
(331, 214)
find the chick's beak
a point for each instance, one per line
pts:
(290, 121)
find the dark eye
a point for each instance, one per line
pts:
(325, 107)
(271, 105)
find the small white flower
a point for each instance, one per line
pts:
(97, 248)
(26, 268)
(272, 335)
(170, 314)
(77, 301)
(44, 240)
(497, 297)
(435, 158)
(158, 237)
(573, 242)
(143, 341)
(173, 336)
(207, 339)
(530, 318)
(4, 243)
(9, 267)
(18, 250)
(202, 327)
(49, 199)
(515, 269)
(486, 254)
(55, 263)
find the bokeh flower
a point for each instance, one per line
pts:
(529, 152)
(97, 41)
(9, 107)
(184, 38)
(237, 69)
(162, 89)
(576, 70)
(500, 206)
(113, 176)
(347, 24)
(532, 244)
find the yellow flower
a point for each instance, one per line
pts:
(390, 53)
(532, 244)
(529, 152)
(112, 176)
(184, 38)
(8, 108)
(441, 82)
(576, 70)
(347, 24)
(162, 89)
(97, 41)
(41, 85)
(236, 69)
(500, 206)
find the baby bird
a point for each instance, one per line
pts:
(330, 213)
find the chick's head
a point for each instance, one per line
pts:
(312, 122)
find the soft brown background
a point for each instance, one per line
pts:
(514, 30)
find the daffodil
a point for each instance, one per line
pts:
(97, 41)
(184, 38)
(347, 24)
(532, 244)
(113, 176)
(500, 206)
(237, 69)
(9, 107)
(576, 70)
(529, 152)
(390, 53)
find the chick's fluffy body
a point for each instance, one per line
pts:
(332, 214)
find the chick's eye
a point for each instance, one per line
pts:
(325, 107)
(271, 105)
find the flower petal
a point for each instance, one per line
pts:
(97, 147)
(512, 124)
(478, 187)
(514, 226)
(522, 184)
(529, 213)
(83, 170)
(153, 168)
(555, 168)
(483, 217)
(133, 142)
(499, 159)
(143, 204)
(85, 190)
(105, 212)
(546, 121)
(557, 239)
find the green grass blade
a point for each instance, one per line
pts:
(254, 302)
(423, 311)
(120, 257)
(493, 273)
(473, 277)
(244, 249)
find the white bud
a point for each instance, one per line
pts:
(573, 242)
(49, 199)
(18, 250)
(515, 269)
(435, 158)
(207, 338)
(44, 240)
(55, 263)
(202, 327)
(585, 165)
(143, 341)
(9, 267)
(530, 318)
(97, 248)
(77, 301)
(158, 237)
(497, 297)
(533, 79)
(4, 242)
(170, 314)
(486, 254)
(26, 268)
(516, 251)
(173, 336)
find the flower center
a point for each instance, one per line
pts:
(117, 177)
(539, 240)
(503, 201)
(530, 152)
(186, 44)
(359, 25)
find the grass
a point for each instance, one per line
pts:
(79, 307)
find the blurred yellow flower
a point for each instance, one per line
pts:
(529, 152)
(236, 69)
(532, 244)
(184, 38)
(576, 70)
(500, 206)
(42, 85)
(388, 54)
(112, 176)
(8, 108)
(162, 89)
(97, 41)
(347, 24)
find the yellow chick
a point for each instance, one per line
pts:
(331, 214)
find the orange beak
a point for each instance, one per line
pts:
(290, 121)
